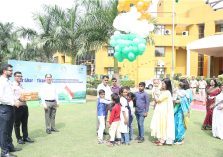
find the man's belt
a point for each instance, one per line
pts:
(50, 100)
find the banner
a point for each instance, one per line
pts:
(69, 80)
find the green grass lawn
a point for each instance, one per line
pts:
(77, 137)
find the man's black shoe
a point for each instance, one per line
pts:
(8, 155)
(15, 149)
(28, 140)
(20, 141)
(48, 131)
(55, 130)
(141, 140)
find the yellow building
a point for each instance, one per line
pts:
(193, 20)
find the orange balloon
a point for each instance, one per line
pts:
(134, 1)
(140, 6)
(127, 8)
(120, 8)
(145, 15)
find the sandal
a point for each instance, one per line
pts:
(157, 141)
(159, 144)
(110, 144)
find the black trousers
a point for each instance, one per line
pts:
(21, 117)
(6, 127)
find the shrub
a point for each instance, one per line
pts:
(92, 91)
(129, 83)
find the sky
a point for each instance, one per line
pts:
(21, 11)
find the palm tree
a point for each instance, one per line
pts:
(97, 26)
(10, 46)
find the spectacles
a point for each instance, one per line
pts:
(18, 76)
(114, 81)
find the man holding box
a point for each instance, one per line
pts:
(21, 110)
(49, 100)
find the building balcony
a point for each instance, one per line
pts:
(166, 40)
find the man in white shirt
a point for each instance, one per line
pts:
(202, 86)
(49, 100)
(104, 85)
(193, 85)
(6, 112)
(21, 111)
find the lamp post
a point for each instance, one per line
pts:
(173, 30)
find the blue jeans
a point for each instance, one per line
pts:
(140, 121)
(130, 127)
(125, 138)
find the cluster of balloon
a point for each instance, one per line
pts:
(127, 46)
(132, 20)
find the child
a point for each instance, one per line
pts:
(101, 113)
(131, 101)
(156, 90)
(114, 120)
(142, 108)
(124, 116)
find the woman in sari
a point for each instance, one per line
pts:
(162, 124)
(212, 92)
(217, 126)
(182, 110)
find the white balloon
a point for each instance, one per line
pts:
(129, 22)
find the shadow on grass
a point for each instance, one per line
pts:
(149, 137)
(38, 133)
(60, 125)
(42, 132)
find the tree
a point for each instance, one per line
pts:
(97, 26)
(10, 46)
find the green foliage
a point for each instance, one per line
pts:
(91, 91)
(220, 80)
(177, 76)
(129, 83)
(93, 83)
(168, 75)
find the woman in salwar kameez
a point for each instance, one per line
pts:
(162, 124)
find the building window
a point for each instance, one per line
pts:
(110, 51)
(110, 72)
(200, 64)
(159, 51)
(219, 27)
(55, 59)
(201, 31)
(160, 30)
(159, 72)
(63, 59)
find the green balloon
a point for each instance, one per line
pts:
(142, 47)
(131, 56)
(117, 48)
(125, 52)
(112, 42)
(135, 50)
(117, 55)
(120, 59)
